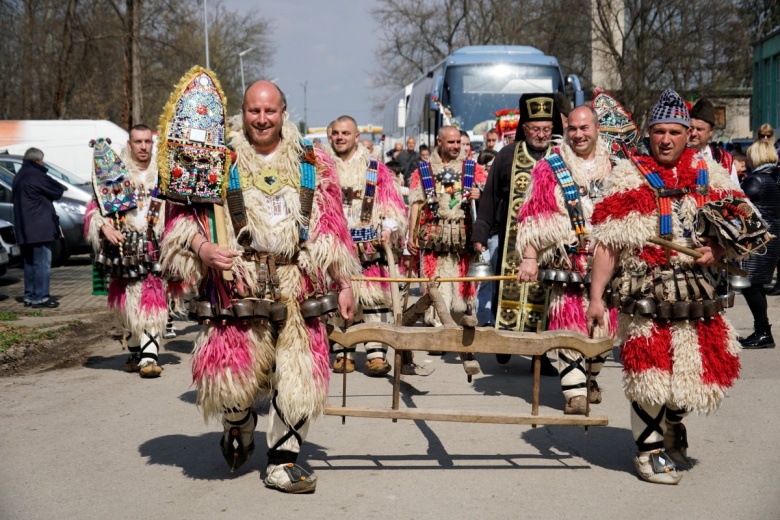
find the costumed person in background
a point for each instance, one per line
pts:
(679, 354)
(442, 195)
(515, 306)
(263, 331)
(375, 214)
(554, 233)
(700, 133)
(761, 187)
(123, 224)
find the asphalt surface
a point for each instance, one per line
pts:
(94, 442)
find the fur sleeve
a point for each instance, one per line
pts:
(543, 221)
(93, 221)
(330, 243)
(416, 192)
(178, 260)
(388, 198)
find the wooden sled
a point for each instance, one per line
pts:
(467, 340)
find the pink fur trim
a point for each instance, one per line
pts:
(92, 207)
(542, 200)
(376, 270)
(227, 349)
(177, 289)
(332, 220)
(320, 353)
(174, 213)
(467, 289)
(570, 314)
(117, 288)
(387, 195)
(429, 264)
(153, 295)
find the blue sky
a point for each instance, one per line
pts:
(328, 43)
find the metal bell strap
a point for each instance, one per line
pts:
(570, 193)
(234, 197)
(429, 186)
(369, 193)
(308, 172)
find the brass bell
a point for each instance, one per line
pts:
(480, 267)
(243, 309)
(261, 309)
(132, 273)
(628, 305)
(192, 310)
(664, 310)
(278, 312)
(329, 303)
(561, 277)
(710, 308)
(205, 311)
(588, 278)
(646, 307)
(148, 258)
(310, 308)
(101, 259)
(549, 276)
(156, 268)
(576, 279)
(739, 282)
(142, 271)
(225, 313)
(696, 310)
(681, 310)
(540, 275)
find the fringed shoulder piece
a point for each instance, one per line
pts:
(178, 260)
(391, 204)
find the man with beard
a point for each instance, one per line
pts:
(679, 352)
(514, 306)
(288, 231)
(138, 295)
(554, 233)
(440, 196)
(375, 214)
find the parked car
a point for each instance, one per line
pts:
(3, 261)
(8, 241)
(70, 211)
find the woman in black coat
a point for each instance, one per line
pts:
(761, 187)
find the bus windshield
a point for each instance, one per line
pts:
(475, 92)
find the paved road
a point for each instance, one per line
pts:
(93, 442)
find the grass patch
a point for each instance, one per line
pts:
(8, 316)
(11, 336)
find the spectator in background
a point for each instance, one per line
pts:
(369, 144)
(766, 131)
(408, 159)
(760, 186)
(491, 139)
(393, 153)
(486, 158)
(740, 164)
(700, 133)
(425, 153)
(465, 144)
(36, 225)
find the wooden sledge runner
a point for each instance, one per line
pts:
(465, 339)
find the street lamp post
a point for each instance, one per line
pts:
(241, 64)
(305, 118)
(206, 27)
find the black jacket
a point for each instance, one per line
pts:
(761, 188)
(35, 220)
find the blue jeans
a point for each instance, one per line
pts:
(485, 315)
(37, 271)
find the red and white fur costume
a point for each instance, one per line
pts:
(236, 362)
(439, 264)
(141, 304)
(388, 213)
(670, 367)
(543, 223)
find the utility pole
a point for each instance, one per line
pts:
(305, 118)
(206, 26)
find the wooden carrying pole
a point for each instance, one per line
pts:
(695, 254)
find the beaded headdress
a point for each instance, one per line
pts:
(192, 156)
(110, 179)
(616, 128)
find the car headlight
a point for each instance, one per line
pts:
(73, 207)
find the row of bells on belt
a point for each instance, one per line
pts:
(129, 266)
(681, 310)
(563, 278)
(203, 311)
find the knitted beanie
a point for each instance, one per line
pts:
(670, 109)
(704, 110)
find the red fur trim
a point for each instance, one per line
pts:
(320, 353)
(716, 195)
(542, 201)
(415, 180)
(227, 349)
(719, 366)
(480, 175)
(467, 290)
(377, 270)
(643, 353)
(177, 289)
(175, 212)
(619, 205)
(653, 255)
(116, 293)
(429, 264)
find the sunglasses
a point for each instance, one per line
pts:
(765, 136)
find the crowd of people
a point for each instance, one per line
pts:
(625, 242)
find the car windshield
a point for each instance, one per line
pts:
(475, 92)
(14, 164)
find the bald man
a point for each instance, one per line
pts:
(285, 234)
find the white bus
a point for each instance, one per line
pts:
(468, 87)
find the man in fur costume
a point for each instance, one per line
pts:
(136, 290)
(288, 233)
(679, 353)
(440, 197)
(514, 306)
(375, 213)
(554, 232)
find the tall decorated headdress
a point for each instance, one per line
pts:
(114, 192)
(538, 107)
(506, 122)
(616, 128)
(193, 158)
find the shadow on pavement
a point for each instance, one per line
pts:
(118, 362)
